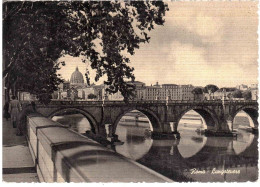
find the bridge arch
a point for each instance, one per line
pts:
(209, 117)
(90, 118)
(153, 118)
(251, 111)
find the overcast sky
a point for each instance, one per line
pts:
(200, 43)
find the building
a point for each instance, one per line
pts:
(177, 92)
(64, 86)
(254, 93)
(253, 86)
(139, 92)
(185, 92)
(152, 93)
(242, 87)
(169, 89)
(81, 93)
(116, 97)
(76, 78)
(224, 93)
(76, 89)
(161, 92)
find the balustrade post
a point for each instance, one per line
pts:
(105, 98)
(174, 126)
(110, 131)
(230, 125)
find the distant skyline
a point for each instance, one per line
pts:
(200, 43)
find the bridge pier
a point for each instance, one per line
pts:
(110, 131)
(174, 126)
(169, 131)
(102, 131)
(167, 127)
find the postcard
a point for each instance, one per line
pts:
(130, 91)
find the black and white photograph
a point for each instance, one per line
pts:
(128, 91)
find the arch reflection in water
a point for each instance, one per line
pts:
(134, 130)
(192, 139)
(77, 122)
(242, 124)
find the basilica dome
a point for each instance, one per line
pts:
(76, 77)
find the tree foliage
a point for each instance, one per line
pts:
(37, 34)
(197, 91)
(229, 95)
(247, 95)
(210, 89)
(237, 94)
(92, 96)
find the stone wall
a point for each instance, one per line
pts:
(62, 155)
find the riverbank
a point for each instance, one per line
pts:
(17, 161)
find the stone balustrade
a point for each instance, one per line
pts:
(62, 155)
(111, 102)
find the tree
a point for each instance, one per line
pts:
(197, 91)
(37, 34)
(210, 89)
(92, 96)
(237, 94)
(229, 95)
(247, 95)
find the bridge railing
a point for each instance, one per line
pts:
(116, 102)
(62, 155)
(241, 101)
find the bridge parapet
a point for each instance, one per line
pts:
(116, 102)
(62, 155)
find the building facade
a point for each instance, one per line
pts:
(242, 87)
(76, 89)
(159, 92)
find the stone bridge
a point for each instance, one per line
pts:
(164, 115)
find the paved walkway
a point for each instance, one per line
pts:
(17, 161)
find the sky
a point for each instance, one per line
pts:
(200, 43)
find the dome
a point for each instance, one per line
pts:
(76, 77)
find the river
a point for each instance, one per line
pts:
(194, 157)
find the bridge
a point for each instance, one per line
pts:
(164, 115)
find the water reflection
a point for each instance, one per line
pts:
(242, 127)
(190, 142)
(133, 134)
(176, 158)
(76, 122)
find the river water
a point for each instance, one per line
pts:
(194, 157)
